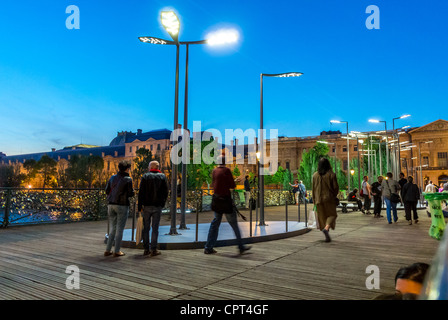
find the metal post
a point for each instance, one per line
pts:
(286, 214)
(7, 208)
(261, 176)
(133, 222)
(173, 207)
(348, 159)
(183, 200)
(359, 163)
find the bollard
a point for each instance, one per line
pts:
(286, 214)
(250, 220)
(306, 214)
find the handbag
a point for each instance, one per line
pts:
(139, 230)
(394, 197)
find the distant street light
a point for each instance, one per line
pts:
(348, 152)
(261, 177)
(398, 138)
(387, 141)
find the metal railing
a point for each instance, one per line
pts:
(25, 206)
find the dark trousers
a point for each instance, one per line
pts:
(359, 202)
(408, 207)
(151, 219)
(214, 229)
(367, 202)
(377, 204)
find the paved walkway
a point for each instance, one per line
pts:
(34, 259)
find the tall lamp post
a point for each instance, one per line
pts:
(260, 173)
(387, 141)
(398, 139)
(348, 152)
(171, 24)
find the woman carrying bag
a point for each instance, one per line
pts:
(325, 192)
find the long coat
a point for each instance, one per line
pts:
(325, 191)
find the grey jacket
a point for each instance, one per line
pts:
(389, 186)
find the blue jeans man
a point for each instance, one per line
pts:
(151, 219)
(118, 216)
(391, 205)
(214, 228)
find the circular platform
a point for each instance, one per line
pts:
(186, 238)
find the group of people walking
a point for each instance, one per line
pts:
(393, 192)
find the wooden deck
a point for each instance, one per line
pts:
(33, 262)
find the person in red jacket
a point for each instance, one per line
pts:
(222, 203)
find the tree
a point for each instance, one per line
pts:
(236, 172)
(310, 159)
(30, 167)
(94, 167)
(141, 163)
(46, 166)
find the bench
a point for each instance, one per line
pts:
(345, 204)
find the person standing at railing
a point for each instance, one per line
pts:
(152, 197)
(119, 189)
(247, 191)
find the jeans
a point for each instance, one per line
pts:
(214, 228)
(151, 218)
(390, 205)
(247, 198)
(118, 216)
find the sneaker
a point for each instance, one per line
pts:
(210, 251)
(244, 249)
(327, 235)
(119, 254)
(146, 252)
(154, 253)
(107, 253)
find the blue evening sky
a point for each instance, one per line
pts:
(60, 87)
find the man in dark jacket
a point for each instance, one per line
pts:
(377, 197)
(410, 195)
(119, 189)
(151, 200)
(222, 203)
(352, 196)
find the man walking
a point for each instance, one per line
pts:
(302, 191)
(366, 193)
(222, 203)
(151, 199)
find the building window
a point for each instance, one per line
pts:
(334, 149)
(425, 161)
(344, 149)
(442, 159)
(158, 146)
(355, 148)
(152, 147)
(130, 149)
(287, 165)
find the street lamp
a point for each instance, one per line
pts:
(398, 138)
(261, 177)
(171, 24)
(387, 141)
(348, 151)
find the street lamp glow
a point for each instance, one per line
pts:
(374, 121)
(171, 23)
(335, 121)
(222, 37)
(404, 116)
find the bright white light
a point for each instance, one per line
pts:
(222, 37)
(335, 121)
(374, 120)
(170, 22)
(405, 116)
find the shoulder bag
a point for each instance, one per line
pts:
(394, 197)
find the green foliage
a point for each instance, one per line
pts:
(46, 167)
(141, 163)
(309, 163)
(84, 170)
(200, 174)
(236, 172)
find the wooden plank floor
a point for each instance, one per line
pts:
(33, 262)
